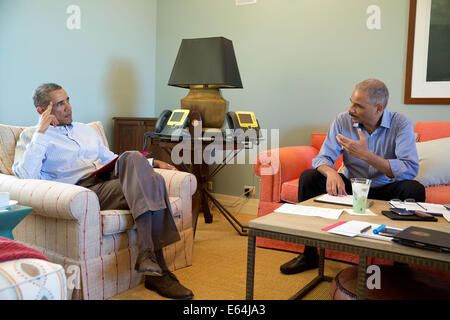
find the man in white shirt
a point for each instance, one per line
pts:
(61, 150)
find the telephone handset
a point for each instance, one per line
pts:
(162, 120)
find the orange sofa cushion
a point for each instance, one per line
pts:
(289, 191)
(432, 130)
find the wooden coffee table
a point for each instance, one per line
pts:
(307, 230)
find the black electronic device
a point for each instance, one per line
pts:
(172, 123)
(413, 217)
(402, 212)
(424, 238)
(244, 120)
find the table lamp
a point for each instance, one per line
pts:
(205, 65)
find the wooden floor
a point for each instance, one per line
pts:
(218, 270)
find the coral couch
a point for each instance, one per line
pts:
(97, 248)
(282, 185)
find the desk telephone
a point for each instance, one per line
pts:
(244, 120)
(172, 123)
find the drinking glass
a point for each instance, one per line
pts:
(360, 190)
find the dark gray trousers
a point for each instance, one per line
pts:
(135, 186)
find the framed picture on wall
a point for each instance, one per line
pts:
(428, 56)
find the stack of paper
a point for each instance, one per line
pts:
(356, 229)
(351, 228)
(343, 200)
(339, 200)
(309, 211)
(431, 208)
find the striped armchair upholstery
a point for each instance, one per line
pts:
(96, 248)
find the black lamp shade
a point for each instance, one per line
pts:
(206, 61)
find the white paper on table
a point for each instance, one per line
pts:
(434, 208)
(447, 216)
(354, 228)
(367, 213)
(423, 206)
(351, 228)
(309, 211)
(406, 205)
(346, 200)
(371, 235)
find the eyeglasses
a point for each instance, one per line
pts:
(407, 204)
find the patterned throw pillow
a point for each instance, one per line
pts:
(98, 126)
(8, 139)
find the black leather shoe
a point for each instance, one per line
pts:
(300, 264)
(147, 264)
(168, 286)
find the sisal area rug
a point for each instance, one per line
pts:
(218, 270)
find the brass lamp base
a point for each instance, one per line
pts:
(209, 103)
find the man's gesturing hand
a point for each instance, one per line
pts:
(47, 119)
(356, 148)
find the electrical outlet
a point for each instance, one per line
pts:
(210, 186)
(249, 191)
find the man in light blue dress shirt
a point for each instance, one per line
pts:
(376, 144)
(59, 149)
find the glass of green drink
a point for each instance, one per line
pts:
(360, 190)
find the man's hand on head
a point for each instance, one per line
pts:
(46, 119)
(357, 148)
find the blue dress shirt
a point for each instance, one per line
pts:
(393, 140)
(63, 153)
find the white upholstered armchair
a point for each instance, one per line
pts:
(97, 248)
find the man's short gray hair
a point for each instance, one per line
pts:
(41, 96)
(376, 90)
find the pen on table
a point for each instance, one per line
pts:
(380, 228)
(421, 206)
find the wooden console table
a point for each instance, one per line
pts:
(128, 132)
(131, 133)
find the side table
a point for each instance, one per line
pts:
(10, 218)
(162, 147)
